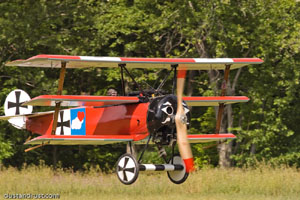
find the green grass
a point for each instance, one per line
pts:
(261, 183)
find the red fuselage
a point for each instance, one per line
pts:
(126, 119)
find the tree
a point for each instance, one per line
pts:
(266, 126)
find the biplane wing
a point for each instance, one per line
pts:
(80, 100)
(109, 139)
(214, 100)
(210, 137)
(54, 61)
(81, 140)
(83, 100)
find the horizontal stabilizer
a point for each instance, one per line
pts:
(214, 101)
(210, 137)
(54, 61)
(80, 100)
(25, 115)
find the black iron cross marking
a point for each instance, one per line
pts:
(124, 169)
(62, 124)
(18, 104)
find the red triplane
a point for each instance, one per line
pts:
(151, 116)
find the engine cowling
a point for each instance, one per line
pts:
(161, 118)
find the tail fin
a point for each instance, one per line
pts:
(13, 107)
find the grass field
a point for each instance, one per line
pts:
(261, 183)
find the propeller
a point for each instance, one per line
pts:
(181, 127)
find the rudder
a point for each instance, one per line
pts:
(13, 107)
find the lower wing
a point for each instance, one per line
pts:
(80, 140)
(110, 139)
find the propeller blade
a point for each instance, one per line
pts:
(181, 127)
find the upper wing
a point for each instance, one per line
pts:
(80, 100)
(54, 61)
(214, 101)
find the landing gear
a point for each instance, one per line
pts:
(127, 169)
(177, 177)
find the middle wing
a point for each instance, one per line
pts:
(214, 101)
(80, 100)
(84, 100)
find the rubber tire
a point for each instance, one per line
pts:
(177, 177)
(133, 166)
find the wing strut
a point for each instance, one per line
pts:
(223, 93)
(122, 78)
(174, 78)
(59, 92)
(37, 146)
(123, 67)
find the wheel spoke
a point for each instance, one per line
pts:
(125, 176)
(130, 169)
(126, 161)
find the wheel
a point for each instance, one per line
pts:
(127, 169)
(177, 177)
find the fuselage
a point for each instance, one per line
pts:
(155, 118)
(126, 119)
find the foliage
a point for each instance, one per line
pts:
(267, 126)
(5, 149)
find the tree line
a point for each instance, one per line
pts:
(266, 127)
